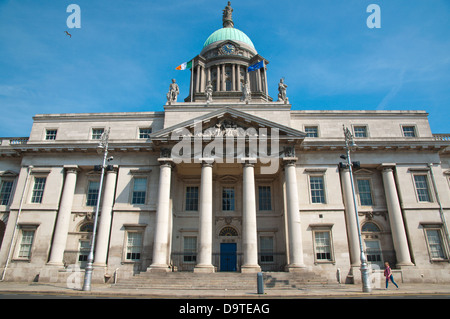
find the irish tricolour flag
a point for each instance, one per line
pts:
(184, 66)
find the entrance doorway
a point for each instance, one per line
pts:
(228, 258)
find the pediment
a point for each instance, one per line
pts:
(363, 171)
(8, 173)
(225, 123)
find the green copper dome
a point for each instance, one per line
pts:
(228, 34)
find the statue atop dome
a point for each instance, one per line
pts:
(227, 16)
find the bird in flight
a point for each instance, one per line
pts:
(68, 34)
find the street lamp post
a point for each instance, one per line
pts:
(102, 146)
(349, 144)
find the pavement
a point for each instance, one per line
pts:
(308, 291)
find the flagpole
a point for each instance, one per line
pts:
(265, 80)
(192, 79)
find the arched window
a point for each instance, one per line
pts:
(228, 231)
(370, 228)
(87, 228)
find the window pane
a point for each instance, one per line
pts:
(323, 246)
(311, 131)
(422, 188)
(25, 245)
(83, 253)
(228, 198)
(360, 131)
(92, 195)
(134, 244)
(409, 131)
(365, 193)
(435, 244)
(38, 189)
(190, 249)
(51, 135)
(192, 198)
(317, 190)
(265, 198)
(139, 190)
(266, 246)
(97, 133)
(144, 132)
(5, 192)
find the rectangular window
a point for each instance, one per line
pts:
(38, 189)
(83, 252)
(409, 131)
(265, 198)
(144, 133)
(134, 246)
(92, 194)
(312, 131)
(360, 131)
(190, 249)
(373, 252)
(192, 198)
(50, 135)
(5, 192)
(365, 192)
(435, 246)
(26, 244)
(228, 198)
(266, 246)
(97, 133)
(322, 245)
(317, 189)
(423, 193)
(139, 190)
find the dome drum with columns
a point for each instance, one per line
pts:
(223, 62)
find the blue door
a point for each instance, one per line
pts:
(228, 257)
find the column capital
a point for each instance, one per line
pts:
(289, 161)
(248, 161)
(386, 166)
(206, 161)
(71, 169)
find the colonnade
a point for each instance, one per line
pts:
(204, 74)
(161, 245)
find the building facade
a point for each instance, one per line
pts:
(231, 179)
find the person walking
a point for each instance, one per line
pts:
(388, 274)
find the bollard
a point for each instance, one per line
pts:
(260, 282)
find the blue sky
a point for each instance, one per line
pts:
(125, 53)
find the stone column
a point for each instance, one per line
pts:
(204, 260)
(222, 79)
(350, 218)
(293, 217)
(161, 241)
(233, 77)
(249, 234)
(197, 79)
(218, 79)
(104, 225)
(395, 217)
(63, 220)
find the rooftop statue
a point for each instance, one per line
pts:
(173, 92)
(227, 16)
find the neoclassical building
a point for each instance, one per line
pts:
(230, 180)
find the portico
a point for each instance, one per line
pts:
(234, 146)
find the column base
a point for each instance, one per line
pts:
(159, 268)
(248, 269)
(404, 265)
(204, 269)
(55, 264)
(295, 267)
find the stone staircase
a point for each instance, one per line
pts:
(222, 281)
